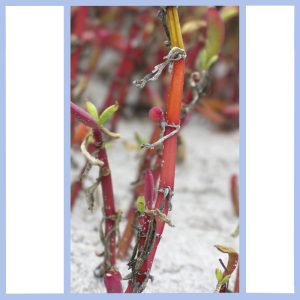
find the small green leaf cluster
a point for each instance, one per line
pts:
(214, 39)
(104, 116)
(221, 278)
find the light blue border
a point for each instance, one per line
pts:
(2, 153)
(67, 167)
(297, 151)
(242, 173)
(67, 4)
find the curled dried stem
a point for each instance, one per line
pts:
(91, 159)
(163, 217)
(116, 218)
(162, 139)
(90, 194)
(111, 134)
(162, 14)
(200, 85)
(174, 54)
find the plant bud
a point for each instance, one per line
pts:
(156, 114)
(112, 282)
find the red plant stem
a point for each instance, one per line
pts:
(173, 117)
(167, 172)
(108, 198)
(119, 86)
(145, 164)
(82, 116)
(144, 219)
(237, 281)
(105, 37)
(235, 193)
(128, 232)
(79, 24)
(106, 183)
(124, 69)
(121, 100)
(81, 16)
(127, 235)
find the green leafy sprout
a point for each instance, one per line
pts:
(141, 204)
(104, 116)
(221, 278)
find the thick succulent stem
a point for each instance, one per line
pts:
(167, 173)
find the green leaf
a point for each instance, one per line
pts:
(140, 206)
(225, 279)
(219, 275)
(107, 113)
(92, 110)
(212, 61)
(229, 12)
(202, 59)
(192, 26)
(214, 39)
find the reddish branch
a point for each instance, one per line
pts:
(108, 200)
(81, 15)
(167, 172)
(119, 86)
(144, 164)
(148, 157)
(235, 193)
(237, 281)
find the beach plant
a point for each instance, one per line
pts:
(170, 125)
(224, 276)
(199, 84)
(93, 127)
(111, 217)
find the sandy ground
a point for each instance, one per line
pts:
(202, 212)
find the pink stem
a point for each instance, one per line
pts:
(81, 16)
(107, 191)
